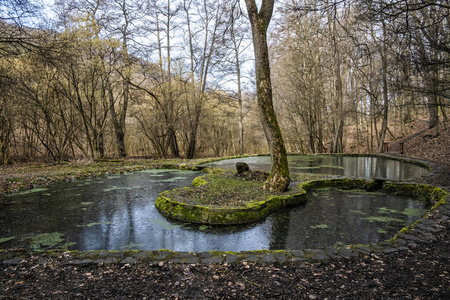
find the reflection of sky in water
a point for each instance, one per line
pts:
(348, 166)
(118, 213)
(333, 217)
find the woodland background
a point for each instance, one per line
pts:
(91, 79)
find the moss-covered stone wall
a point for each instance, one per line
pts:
(179, 208)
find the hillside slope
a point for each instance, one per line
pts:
(426, 145)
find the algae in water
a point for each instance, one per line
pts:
(385, 210)
(26, 192)
(4, 240)
(97, 223)
(320, 226)
(49, 241)
(382, 219)
(414, 212)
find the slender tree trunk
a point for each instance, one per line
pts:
(382, 133)
(279, 176)
(236, 46)
(241, 110)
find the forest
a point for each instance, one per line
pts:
(94, 79)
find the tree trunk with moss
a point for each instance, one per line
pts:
(279, 176)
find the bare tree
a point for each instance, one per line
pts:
(259, 19)
(238, 44)
(422, 29)
(203, 33)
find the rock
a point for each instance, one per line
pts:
(129, 260)
(268, 258)
(217, 259)
(231, 258)
(281, 257)
(13, 261)
(242, 167)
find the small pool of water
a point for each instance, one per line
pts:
(117, 213)
(334, 217)
(348, 166)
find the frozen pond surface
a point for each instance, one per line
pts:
(348, 166)
(117, 212)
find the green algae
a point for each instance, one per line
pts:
(97, 223)
(320, 226)
(358, 212)
(49, 241)
(164, 225)
(118, 188)
(30, 191)
(383, 219)
(384, 210)
(414, 212)
(131, 246)
(7, 239)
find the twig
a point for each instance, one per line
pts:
(250, 281)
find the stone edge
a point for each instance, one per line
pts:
(422, 231)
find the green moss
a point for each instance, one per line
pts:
(199, 204)
(199, 181)
(422, 192)
(221, 189)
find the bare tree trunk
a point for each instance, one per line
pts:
(236, 42)
(382, 133)
(279, 176)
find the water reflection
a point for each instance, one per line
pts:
(348, 166)
(118, 213)
(334, 217)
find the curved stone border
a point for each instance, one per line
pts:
(177, 208)
(423, 231)
(215, 215)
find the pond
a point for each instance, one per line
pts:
(348, 166)
(117, 212)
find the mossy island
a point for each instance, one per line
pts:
(226, 198)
